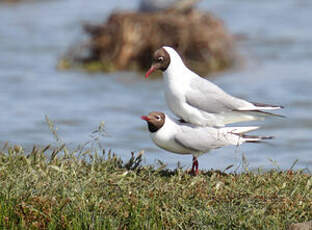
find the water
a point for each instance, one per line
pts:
(277, 52)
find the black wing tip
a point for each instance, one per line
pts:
(270, 114)
(261, 112)
(267, 137)
(279, 106)
(257, 139)
(267, 105)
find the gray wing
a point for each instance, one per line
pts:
(209, 97)
(200, 139)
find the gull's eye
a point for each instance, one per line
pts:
(160, 59)
(158, 118)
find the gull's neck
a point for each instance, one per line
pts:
(176, 66)
(169, 123)
(169, 126)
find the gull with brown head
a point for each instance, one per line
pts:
(184, 138)
(199, 101)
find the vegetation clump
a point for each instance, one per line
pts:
(127, 40)
(84, 189)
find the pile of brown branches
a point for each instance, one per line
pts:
(127, 40)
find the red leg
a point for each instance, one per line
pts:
(195, 166)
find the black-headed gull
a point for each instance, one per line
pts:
(183, 138)
(199, 101)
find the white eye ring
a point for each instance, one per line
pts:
(160, 58)
(158, 118)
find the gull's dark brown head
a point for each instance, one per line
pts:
(161, 61)
(155, 120)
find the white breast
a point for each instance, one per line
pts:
(174, 93)
(164, 138)
(176, 87)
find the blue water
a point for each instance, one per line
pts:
(276, 49)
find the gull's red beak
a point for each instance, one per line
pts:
(145, 118)
(151, 70)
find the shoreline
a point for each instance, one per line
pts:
(65, 190)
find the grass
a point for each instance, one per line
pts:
(56, 189)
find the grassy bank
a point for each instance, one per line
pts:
(67, 191)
